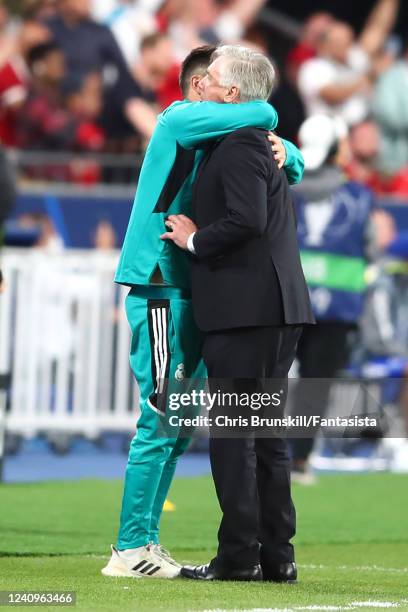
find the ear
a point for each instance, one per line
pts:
(195, 80)
(232, 95)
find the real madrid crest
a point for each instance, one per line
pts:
(180, 372)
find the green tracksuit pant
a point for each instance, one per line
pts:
(166, 344)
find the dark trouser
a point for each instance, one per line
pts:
(323, 351)
(252, 475)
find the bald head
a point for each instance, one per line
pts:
(315, 27)
(337, 41)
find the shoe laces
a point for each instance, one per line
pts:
(161, 552)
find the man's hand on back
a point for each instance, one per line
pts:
(278, 148)
(181, 229)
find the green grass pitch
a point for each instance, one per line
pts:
(352, 546)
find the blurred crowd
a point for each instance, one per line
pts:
(362, 79)
(91, 75)
(87, 75)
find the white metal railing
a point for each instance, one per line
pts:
(65, 340)
(70, 170)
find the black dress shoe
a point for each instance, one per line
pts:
(285, 572)
(212, 571)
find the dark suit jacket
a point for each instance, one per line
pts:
(247, 269)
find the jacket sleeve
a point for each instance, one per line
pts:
(196, 123)
(244, 179)
(295, 164)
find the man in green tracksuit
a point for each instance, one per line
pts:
(166, 343)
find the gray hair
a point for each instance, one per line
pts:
(248, 70)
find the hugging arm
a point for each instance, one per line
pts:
(195, 123)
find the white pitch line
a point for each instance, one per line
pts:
(311, 566)
(365, 568)
(375, 604)
(316, 608)
(323, 608)
(354, 605)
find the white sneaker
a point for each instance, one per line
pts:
(139, 563)
(161, 552)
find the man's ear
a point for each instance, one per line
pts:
(195, 81)
(232, 95)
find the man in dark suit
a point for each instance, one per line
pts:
(250, 297)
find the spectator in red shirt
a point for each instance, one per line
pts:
(365, 146)
(157, 72)
(314, 27)
(83, 100)
(14, 80)
(61, 112)
(364, 167)
(43, 123)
